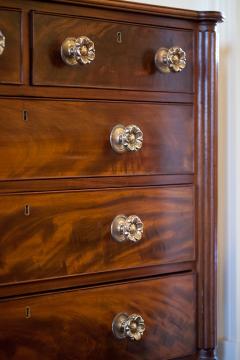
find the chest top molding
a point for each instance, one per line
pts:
(129, 6)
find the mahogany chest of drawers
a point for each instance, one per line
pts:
(107, 181)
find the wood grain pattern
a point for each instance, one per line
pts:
(66, 139)
(69, 233)
(126, 65)
(42, 154)
(77, 325)
(103, 13)
(11, 58)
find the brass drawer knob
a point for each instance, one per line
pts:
(125, 228)
(131, 327)
(2, 42)
(129, 138)
(173, 59)
(78, 51)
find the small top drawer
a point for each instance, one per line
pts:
(10, 46)
(119, 55)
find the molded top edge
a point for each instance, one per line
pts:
(214, 16)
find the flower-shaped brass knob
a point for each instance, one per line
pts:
(173, 59)
(125, 228)
(78, 51)
(131, 327)
(2, 42)
(129, 138)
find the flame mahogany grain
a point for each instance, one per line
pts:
(71, 139)
(59, 159)
(77, 324)
(126, 65)
(69, 233)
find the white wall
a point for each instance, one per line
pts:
(229, 170)
(229, 184)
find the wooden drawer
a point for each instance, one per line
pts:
(121, 61)
(53, 139)
(70, 233)
(78, 324)
(10, 48)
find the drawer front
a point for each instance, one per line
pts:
(52, 235)
(53, 139)
(78, 324)
(124, 54)
(10, 46)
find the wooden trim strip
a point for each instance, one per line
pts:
(86, 280)
(214, 16)
(94, 94)
(206, 182)
(17, 186)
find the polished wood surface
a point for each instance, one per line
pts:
(42, 139)
(125, 65)
(70, 233)
(105, 12)
(37, 287)
(146, 9)
(206, 180)
(11, 58)
(78, 324)
(97, 94)
(56, 159)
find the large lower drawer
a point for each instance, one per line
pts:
(78, 324)
(43, 139)
(124, 54)
(52, 235)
